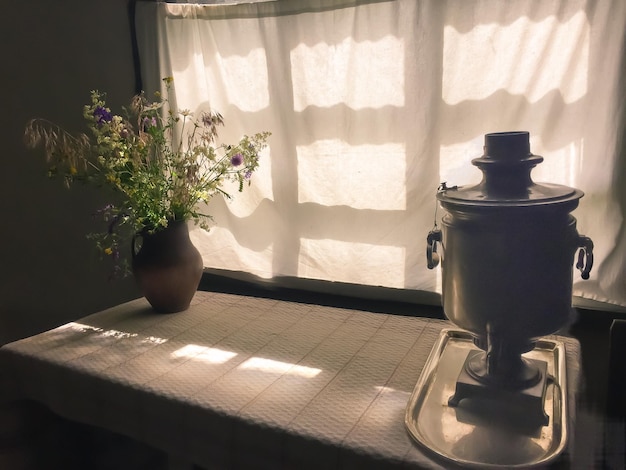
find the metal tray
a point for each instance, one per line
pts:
(485, 442)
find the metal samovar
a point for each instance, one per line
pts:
(506, 248)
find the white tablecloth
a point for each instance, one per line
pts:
(239, 381)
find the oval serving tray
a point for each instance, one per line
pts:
(484, 441)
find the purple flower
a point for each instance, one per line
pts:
(248, 175)
(102, 115)
(149, 122)
(236, 159)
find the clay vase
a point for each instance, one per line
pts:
(167, 267)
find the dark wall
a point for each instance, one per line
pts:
(52, 55)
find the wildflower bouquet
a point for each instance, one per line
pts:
(161, 163)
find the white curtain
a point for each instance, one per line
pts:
(373, 103)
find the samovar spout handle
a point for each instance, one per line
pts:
(585, 256)
(432, 257)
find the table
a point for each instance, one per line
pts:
(241, 382)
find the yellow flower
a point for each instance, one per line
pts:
(108, 251)
(73, 170)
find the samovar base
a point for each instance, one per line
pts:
(520, 403)
(482, 428)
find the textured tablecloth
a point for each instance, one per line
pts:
(239, 381)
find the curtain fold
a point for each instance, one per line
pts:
(372, 103)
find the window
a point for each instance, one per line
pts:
(372, 103)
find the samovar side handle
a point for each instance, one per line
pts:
(432, 257)
(586, 251)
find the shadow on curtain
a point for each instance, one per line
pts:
(373, 103)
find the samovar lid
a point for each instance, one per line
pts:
(506, 166)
